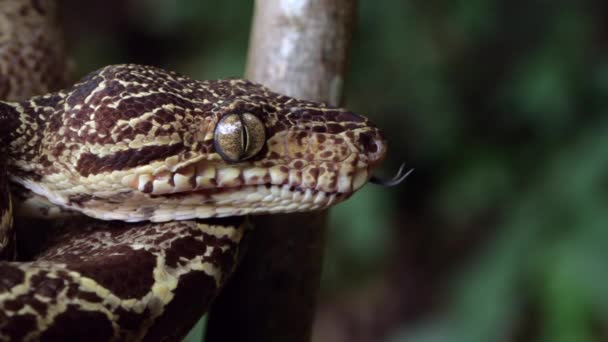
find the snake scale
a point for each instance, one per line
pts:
(164, 169)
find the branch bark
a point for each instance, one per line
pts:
(298, 48)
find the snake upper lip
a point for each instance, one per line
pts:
(360, 178)
(203, 175)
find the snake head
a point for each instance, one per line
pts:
(135, 143)
(301, 144)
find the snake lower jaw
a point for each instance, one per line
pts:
(208, 204)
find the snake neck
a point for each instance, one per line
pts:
(21, 133)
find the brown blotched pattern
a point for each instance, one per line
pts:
(124, 281)
(134, 143)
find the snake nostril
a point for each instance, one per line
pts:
(367, 142)
(373, 145)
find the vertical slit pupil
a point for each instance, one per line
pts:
(244, 136)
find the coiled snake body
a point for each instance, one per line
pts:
(136, 143)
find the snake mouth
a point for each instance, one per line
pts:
(205, 176)
(204, 189)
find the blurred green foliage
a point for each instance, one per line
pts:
(498, 105)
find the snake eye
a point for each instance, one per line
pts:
(239, 136)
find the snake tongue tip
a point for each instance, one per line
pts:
(396, 180)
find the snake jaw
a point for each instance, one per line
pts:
(207, 189)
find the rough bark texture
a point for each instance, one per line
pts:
(298, 48)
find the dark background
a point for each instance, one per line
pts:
(500, 234)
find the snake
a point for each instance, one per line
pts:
(149, 176)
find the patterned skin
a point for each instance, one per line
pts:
(137, 143)
(125, 282)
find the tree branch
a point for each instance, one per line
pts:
(298, 48)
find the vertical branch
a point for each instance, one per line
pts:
(298, 48)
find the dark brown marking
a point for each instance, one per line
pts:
(18, 326)
(148, 188)
(368, 143)
(92, 164)
(314, 172)
(349, 116)
(47, 287)
(38, 7)
(170, 324)
(129, 320)
(79, 199)
(64, 329)
(132, 279)
(326, 154)
(14, 305)
(334, 128)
